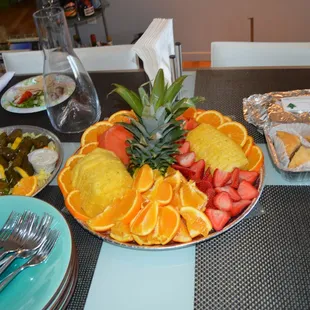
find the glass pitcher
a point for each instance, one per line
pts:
(70, 96)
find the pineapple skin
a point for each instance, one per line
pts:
(216, 149)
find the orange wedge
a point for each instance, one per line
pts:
(143, 178)
(175, 180)
(26, 186)
(121, 232)
(128, 207)
(248, 145)
(255, 158)
(73, 160)
(176, 201)
(64, 181)
(91, 134)
(168, 224)
(103, 221)
(162, 192)
(122, 116)
(234, 131)
(211, 117)
(196, 221)
(227, 119)
(102, 127)
(182, 234)
(87, 148)
(73, 204)
(191, 196)
(145, 221)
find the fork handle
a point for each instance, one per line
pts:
(8, 262)
(11, 276)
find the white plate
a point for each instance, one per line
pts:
(63, 80)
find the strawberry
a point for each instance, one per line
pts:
(197, 169)
(187, 172)
(208, 176)
(222, 201)
(239, 206)
(247, 191)
(220, 178)
(185, 148)
(211, 194)
(235, 178)
(190, 124)
(233, 194)
(203, 185)
(249, 176)
(218, 218)
(186, 160)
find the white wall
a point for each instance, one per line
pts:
(199, 22)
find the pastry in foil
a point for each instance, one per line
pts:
(301, 157)
(291, 142)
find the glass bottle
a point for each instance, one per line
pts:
(70, 96)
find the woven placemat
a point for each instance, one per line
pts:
(88, 248)
(263, 262)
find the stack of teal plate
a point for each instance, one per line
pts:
(51, 284)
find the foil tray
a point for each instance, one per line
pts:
(175, 245)
(42, 131)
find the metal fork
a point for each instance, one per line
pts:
(15, 239)
(34, 238)
(8, 226)
(37, 259)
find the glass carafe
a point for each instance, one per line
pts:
(69, 93)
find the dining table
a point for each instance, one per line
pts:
(263, 262)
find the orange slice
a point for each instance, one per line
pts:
(196, 221)
(191, 196)
(73, 160)
(146, 220)
(162, 192)
(211, 117)
(176, 201)
(234, 131)
(143, 178)
(121, 232)
(91, 134)
(64, 181)
(103, 221)
(122, 116)
(182, 234)
(128, 207)
(87, 148)
(168, 224)
(255, 158)
(73, 204)
(175, 180)
(227, 119)
(248, 145)
(26, 186)
(189, 113)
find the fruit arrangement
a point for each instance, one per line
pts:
(164, 172)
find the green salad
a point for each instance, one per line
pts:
(29, 100)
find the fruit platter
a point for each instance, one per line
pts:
(164, 174)
(30, 158)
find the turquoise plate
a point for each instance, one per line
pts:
(35, 287)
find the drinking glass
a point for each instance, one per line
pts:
(71, 99)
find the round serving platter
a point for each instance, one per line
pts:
(42, 131)
(175, 245)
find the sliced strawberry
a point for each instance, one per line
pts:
(197, 170)
(186, 160)
(233, 194)
(220, 178)
(218, 218)
(190, 124)
(247, 191)
(211, 194)
(185, 148)
(204, 185)
(187, 172)
(239, 206)
(235, 178)
(208, 176)
(222, 201)
(249, 176)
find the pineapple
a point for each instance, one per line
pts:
(156, 131)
